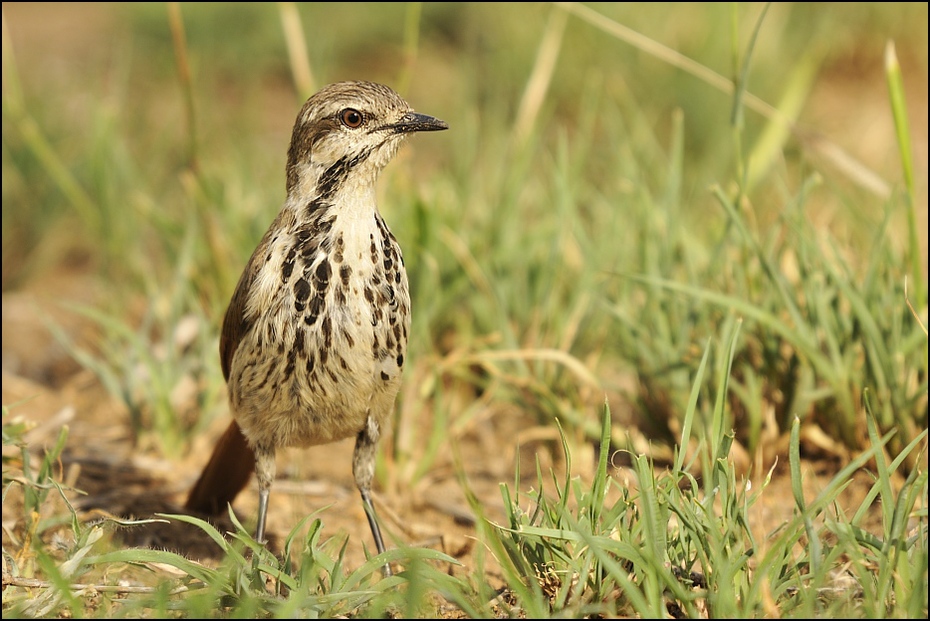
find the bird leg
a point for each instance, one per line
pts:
(363, 468)
(265, 473)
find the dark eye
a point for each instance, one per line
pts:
(351, 118)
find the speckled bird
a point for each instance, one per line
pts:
(314, 339)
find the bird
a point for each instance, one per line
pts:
(314, 339)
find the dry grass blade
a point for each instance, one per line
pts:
(538, 84)
(845, 163)
(551, 355)
(297, 49)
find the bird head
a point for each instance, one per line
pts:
(349, 128)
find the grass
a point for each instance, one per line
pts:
(607, 216)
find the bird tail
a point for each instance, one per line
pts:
(225, 475)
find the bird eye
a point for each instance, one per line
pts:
(351, 118)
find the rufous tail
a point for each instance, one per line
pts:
(225, 475)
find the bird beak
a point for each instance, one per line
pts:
(416, 122)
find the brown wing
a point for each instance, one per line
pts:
(235, 324)
(232, 461)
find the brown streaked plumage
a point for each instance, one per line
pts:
(314, 339)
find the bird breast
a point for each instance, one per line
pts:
(330, 314)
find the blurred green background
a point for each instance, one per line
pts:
(601, 210)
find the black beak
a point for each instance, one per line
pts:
(416, 122)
